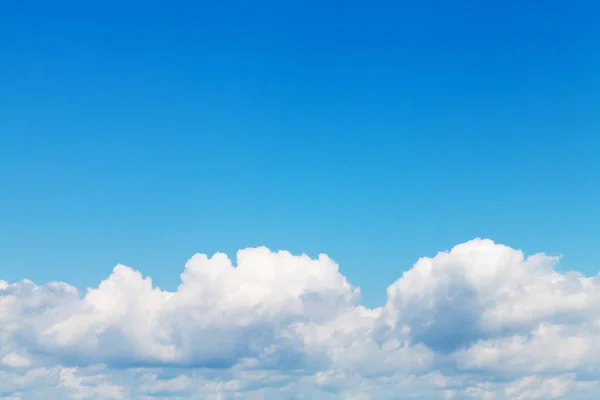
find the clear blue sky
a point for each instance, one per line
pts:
(376, 132)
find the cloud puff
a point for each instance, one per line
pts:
(480, 321)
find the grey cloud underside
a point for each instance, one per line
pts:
(479, 321)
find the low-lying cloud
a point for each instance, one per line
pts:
(480, 321)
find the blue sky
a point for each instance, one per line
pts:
(375, 132)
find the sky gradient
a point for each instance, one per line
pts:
(375, 133)
(142, 133)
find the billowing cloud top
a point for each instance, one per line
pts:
(481, 321)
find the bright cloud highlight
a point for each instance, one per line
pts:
(480, 321)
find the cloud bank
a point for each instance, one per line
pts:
(481, 321)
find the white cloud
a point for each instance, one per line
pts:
(480, 321)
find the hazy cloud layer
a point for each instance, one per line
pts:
(481, 321)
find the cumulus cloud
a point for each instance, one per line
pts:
(480, 321)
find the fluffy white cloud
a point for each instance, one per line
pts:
(481, 321)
